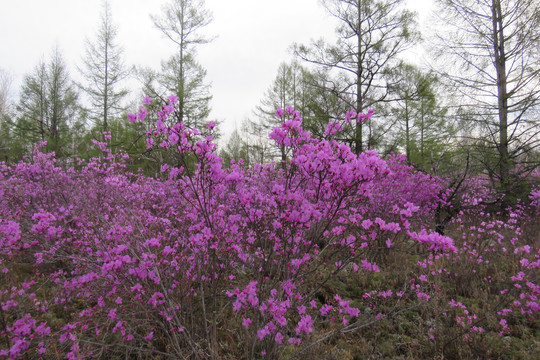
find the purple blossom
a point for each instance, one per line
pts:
(304, 325)
(132, 117)
(246, 322)
(173, 99)
(147, 100)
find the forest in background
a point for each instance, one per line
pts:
(476, 102)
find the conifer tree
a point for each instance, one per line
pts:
(371, 35)
(104, 71)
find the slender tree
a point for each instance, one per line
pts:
(422, 126)
(5, 92)
(48, 105)
(235, 149)
(287, 89)
(104, 70)
(496, 47)
(304, 90)
(320, 106)
(371, 35)
(6, 114)
(194, 101)
(181, 22)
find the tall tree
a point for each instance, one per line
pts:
(287, 89)
(181, 22)
(48, 105)
(422, 126)
(235, 149)
(6, 114)
(371, 35)
(5, 92)
(103, 71)
(496, 46)
(296, 86)
(320, 106)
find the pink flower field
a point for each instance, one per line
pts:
(327, 255)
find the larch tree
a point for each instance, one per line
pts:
(371, 35)
(5, 92)
(420, 116)
(6, 114)
(304, 90)
(287, 89)
(48, 106)
(181, 22)
(495, 45)
(235, 148)
(104, 70)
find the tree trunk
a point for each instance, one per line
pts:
(106, 88)
(358, 146)
(502, 97)
(407, 130)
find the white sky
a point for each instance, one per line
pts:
(253, 39)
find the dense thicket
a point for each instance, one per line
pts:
(283, 261)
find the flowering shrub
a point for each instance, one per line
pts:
(208, 262)
(535, 198)
(407, 186)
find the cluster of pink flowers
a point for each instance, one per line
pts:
(135, 259)
(535, 198)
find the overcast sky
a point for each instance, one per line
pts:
(253, 38)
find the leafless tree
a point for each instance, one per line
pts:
(495, 45)
(371, 35)
(103, 71)
(181, 22)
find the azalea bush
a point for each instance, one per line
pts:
(273, 260)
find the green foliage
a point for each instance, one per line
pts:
(423, 128)
(371, 35)
(235, 149)
(48, 108)
(182, 75)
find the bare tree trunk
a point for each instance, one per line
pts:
(106, 87)
(502, 96)
(407, 130)
(359, 103)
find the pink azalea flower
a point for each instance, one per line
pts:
(173, 99)
(147, 100)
